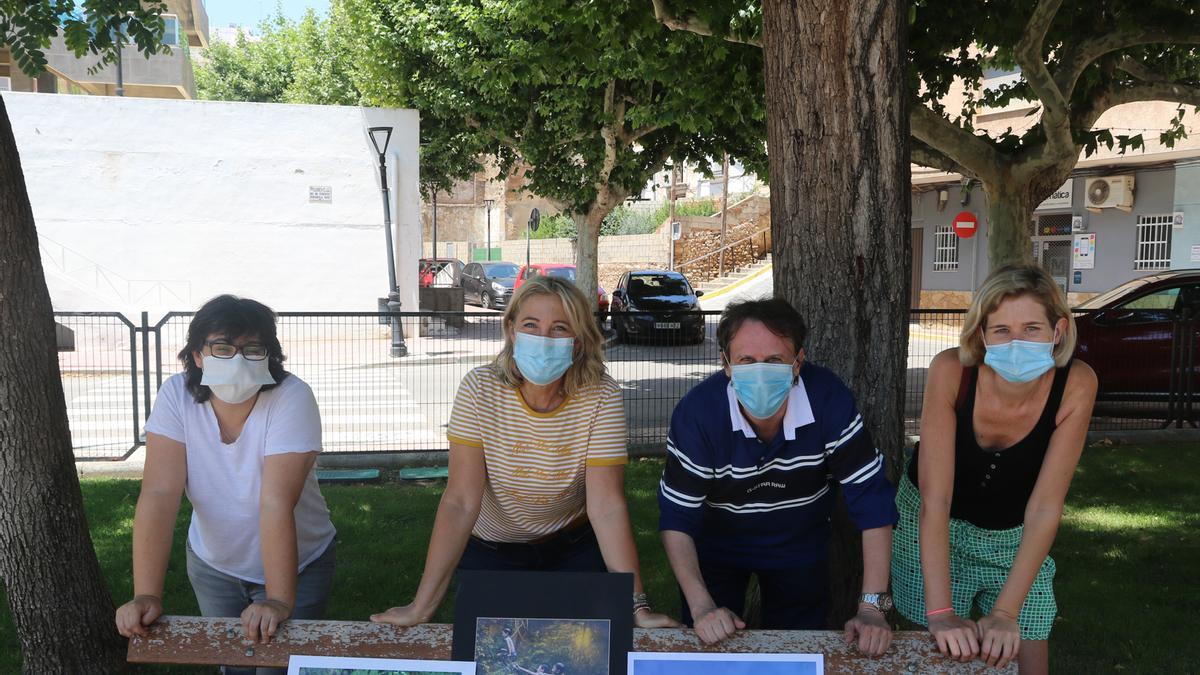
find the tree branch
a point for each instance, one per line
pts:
(634, 135)
(1139, 70)
(691, 24)
(925, 155)
(1080, 55)
(1056, 114)
(609, 131)
(1150, 91)
(498, 137)
(970, 152)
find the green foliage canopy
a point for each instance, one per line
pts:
(1076, 60)
(594, 96)
(305, 61)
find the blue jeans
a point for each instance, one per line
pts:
(222, 595)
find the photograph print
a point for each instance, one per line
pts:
(644, 663)
(340, 665)
(520, 646)
(544, 623)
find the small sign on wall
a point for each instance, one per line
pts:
(1061, 199)
(1077, 223)
(1195, 253)
(1177, 220)
(1085, 251)
(320, 194)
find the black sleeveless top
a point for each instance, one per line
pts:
(992, 487)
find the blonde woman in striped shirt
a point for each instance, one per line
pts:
(537, 458)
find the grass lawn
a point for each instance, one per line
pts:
(1127, 556)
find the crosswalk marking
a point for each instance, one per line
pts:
(357, 413)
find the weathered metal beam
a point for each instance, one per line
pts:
(213, 641)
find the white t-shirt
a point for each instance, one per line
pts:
(224, 481)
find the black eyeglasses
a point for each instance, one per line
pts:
(226, 350)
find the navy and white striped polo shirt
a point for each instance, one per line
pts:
(767, 505)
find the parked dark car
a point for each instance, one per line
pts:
(439, 272)
(489, 284)
(1126, 334)
(656, 304)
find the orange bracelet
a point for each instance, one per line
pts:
(938, 611)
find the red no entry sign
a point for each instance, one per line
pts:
(966, 225)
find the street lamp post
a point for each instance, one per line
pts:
(488, 204)
(435, 229)
(380, 137)
(119, 33)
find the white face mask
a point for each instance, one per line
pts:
(235, 380)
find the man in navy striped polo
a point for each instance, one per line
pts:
(754, 454)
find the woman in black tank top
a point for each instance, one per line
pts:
(1002, 428)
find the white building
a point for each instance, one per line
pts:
(157, 205)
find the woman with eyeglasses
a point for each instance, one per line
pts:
(537, 458)
(239, 436)
(1003, 424)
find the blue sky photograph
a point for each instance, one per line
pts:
(730, 667)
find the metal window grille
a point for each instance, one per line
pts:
(945, 254)
(1153, 250)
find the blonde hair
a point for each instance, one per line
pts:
(1013, 281)
(588, 366)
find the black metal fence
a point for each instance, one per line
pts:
(372, 402)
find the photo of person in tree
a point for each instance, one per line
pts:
(509, 648)
(542, 646)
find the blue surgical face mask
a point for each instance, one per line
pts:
(543, 360)
(1020, 360)
(762, 388)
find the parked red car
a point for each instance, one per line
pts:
(1126, 334)
(439, 272)
(560, 270)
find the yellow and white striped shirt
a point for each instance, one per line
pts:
(535, 461)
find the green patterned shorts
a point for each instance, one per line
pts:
(979, 563)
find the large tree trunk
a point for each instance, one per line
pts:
(587, 246)
(1010, 208)
(1011, 202)
(62, 610)
(837, 138)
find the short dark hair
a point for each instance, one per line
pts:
(776, 314)
(232, 317)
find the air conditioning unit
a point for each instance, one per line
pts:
(1110, 192)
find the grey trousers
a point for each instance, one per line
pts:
(222, 595)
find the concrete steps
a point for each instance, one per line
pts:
(734, 276)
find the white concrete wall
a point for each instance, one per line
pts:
(146, 204)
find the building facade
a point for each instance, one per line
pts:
(165, 75)
(1088, 237)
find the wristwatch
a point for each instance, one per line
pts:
(880, 601)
